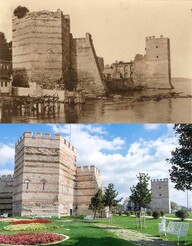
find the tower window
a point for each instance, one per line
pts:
(27, 184)
(159, 194)
(156, 56)
(157, 47)
(159, 187)
(43, 185)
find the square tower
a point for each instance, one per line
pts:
(44, 175)
(160, 195)
(41, 42)
(158, 63)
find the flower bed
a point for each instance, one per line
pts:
(29, 227)
(30, 221)
(31, 238)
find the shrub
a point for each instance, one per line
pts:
(149, 213)
(30, 221)
(127, 213)
(132, 213)
(162, 213)
(20, 12)
(138, 214)
(119, 213)
(182, 214)
(30, 238)
(156, 214)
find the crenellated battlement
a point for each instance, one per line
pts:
(153, 37)
(89, 169)
(7, 178)
(39, 135)
(159, 180)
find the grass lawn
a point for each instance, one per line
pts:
(150, 228)
(173, 216)
(81, 233)
(84, 233)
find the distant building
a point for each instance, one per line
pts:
(5, 77)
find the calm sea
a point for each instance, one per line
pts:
(122, 110)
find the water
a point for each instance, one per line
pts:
(112, 110)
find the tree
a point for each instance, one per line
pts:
(141, 195)
(110, 195)
(97, 202)
(20, 12)
(173, 206)
(181, 158)
(5, 48)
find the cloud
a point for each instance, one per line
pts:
(6, 171)
(7, 153)
(151, 127)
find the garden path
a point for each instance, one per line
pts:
(137, 238)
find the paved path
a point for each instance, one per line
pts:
(135, 237)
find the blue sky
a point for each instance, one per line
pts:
(120, 151)
(119, 27)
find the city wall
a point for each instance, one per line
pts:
(6, 194)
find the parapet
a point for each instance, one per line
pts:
(153, 37)
(38, 135)
(8, 177)
(88, 169)
(159, 180)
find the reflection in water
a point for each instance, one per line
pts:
(119, 111)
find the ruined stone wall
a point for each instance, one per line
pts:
(85, 69)
(41, 47)
(160, 195)
(43, 175)
(88, 183)
(6, 194)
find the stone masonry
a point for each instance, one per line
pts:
(160, 195)
(6, 193)
(45, 52)
(46, 179)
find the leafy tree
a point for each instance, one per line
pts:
(110, 195)
(173, 205)
(20, 12)
(5, 48)
(97, 202)
(141, 195)
(181, 158)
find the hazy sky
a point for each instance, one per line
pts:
(120, 151)
(119, 27)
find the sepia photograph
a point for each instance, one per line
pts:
(80, 61)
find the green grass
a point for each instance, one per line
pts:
(84, 233)
(81, 233)
(151, 227)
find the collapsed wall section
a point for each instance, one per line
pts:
(88, 182)
(6, 194)
(86, 68)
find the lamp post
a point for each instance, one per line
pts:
(188, 163)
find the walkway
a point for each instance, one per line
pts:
(137, 238)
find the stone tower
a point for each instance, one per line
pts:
(46, 179)
(88, 183)
(160, 195)
(41, 42)
(158, 63)
(44, 175)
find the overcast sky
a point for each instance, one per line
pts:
(120, 151)
(119, 27)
